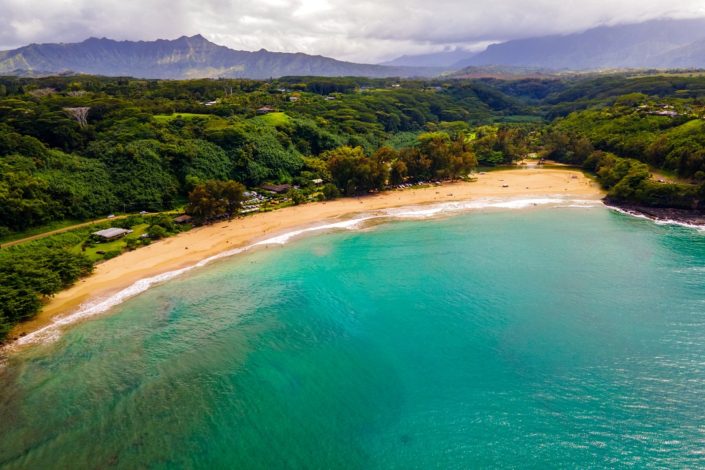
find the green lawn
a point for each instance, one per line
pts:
(164, 118)
(273, 119)
(117, 245)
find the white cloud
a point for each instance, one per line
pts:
(357, 30)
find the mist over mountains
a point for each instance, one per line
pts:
(657, 44)
(445, 59)
(653, 44)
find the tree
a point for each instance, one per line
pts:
(385, 155)
(398, 172)
(80, 114)
(213, 199)
(330, 191)
(437, 155)
(353, 172)
(297, 196)
(199, 160)
(232, 193)
(417, 164)
(156, 232)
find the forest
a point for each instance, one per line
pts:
(76, 148)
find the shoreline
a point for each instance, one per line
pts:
(173, 256)
(687, 217)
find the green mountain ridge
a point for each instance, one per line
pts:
(185, 57)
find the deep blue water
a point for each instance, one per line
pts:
(534, 338)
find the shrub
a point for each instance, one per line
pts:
(330, 191)
(112, 254)
(157, 232)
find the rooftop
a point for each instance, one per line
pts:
(277, 188)
(182, 219)
(112, 232)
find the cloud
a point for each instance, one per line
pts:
(359, 30)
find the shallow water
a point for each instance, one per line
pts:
(572, 336)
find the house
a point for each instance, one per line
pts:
(277, 188)
(293, 99)
(210, 103)
(317, 181)
(183, 219)
(330, 98)
(664, 113)
(265, 110)
(110, 234)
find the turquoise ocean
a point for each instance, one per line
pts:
(550, 336)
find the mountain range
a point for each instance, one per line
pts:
(653, 44)
(185, 57)
(660, 44)
(656, 44)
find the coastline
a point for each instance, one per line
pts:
(172, 256)
(687, 217)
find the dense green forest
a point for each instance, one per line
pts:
(80, 147)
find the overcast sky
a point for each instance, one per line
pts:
(356, 30)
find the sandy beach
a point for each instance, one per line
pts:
(190, 247)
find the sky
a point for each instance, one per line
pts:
(357, 30)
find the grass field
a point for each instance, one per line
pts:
(164, 118)
(273, 119)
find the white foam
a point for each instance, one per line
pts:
(699, 228)
(52, 331)
(488, 203)
(286, 237)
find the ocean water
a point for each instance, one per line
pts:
(543, 337)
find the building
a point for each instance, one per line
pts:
(317, 181)
(265, 110)
(293, 99)
(183, 219)
(277, 188)
(110, 234)
(664, 113)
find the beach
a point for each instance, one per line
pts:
(193, 246)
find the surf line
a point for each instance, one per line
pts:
(52, 331)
